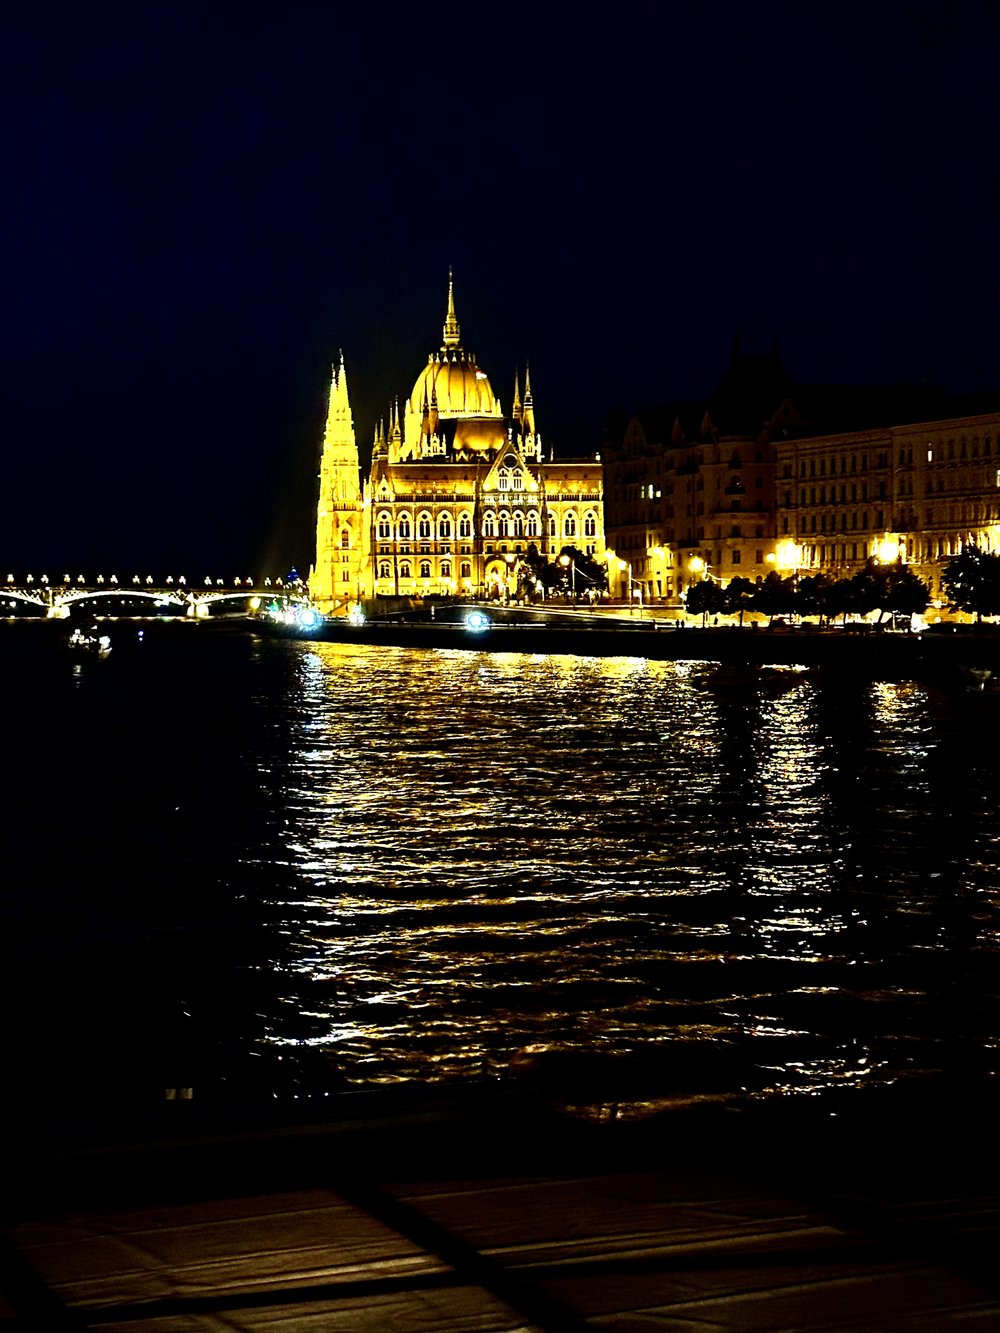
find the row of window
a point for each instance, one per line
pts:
(494, 525)
(424, 569)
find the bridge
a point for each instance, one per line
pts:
(143, 594)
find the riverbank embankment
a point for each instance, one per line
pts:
(882, 654)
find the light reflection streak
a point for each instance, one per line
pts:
(490, 848)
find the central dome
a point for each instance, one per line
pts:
(453, 383)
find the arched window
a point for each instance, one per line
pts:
(517, 481)
(518, 525)
(490, 525)
(505, 525)
(345, 538)
(425, 569)
(446, 569)
(404, 527)
(404, 570)
(466, 570)
(503, 480)
(465, 526)
(444, 527)
(384, 527)
(532, 524)
(590, 524)
(569, 526)
(424, 526)
(383, 570)
(552, 525)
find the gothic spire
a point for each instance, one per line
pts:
(452, 334)
(339, 409)
(528, 412)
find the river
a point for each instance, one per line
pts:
(274, 870)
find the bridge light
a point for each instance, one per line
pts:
(100, 578)
(135, 578)
(182, 579)
(267, 582)
(80, 578)
(30, 578)
(114, 579)
(10, 578)
(149, 578)
(45, 578)
(218, 583)
(170, 579)
(208, 581)
(65, 578)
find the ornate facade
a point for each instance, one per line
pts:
(769, 474)
(456, 494)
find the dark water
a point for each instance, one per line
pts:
(272, 870)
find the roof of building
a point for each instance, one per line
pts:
(754, 388)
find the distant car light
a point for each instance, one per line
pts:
(477, 621)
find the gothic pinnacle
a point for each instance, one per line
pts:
(452, 334)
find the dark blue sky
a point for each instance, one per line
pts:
(202, 203)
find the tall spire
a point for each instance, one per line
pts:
(528, 409)
(452, 335)
(338, 512)
(339, 409)
(516, 410)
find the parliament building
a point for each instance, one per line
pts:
(456, 493)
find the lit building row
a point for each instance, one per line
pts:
(769, 475)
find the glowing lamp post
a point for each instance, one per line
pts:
(624, 567)
(697, 568)
(788, 556)
(888, 551)
(565, 560)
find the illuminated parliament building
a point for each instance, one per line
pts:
(456, 494)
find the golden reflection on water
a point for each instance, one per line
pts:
(601, 856)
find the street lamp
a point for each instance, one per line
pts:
(788, 555)
(888, 551)
(565, 560)
(624, 565)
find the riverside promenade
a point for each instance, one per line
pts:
(957, 655)
(495, 1212)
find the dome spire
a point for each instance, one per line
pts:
(452, 335)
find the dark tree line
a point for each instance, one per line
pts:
(972, 582)
(887, 589)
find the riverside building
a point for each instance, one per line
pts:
(770, 475)
(456, 493)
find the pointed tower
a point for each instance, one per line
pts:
(528, 409)
(396, 434)
(336, 576)
(452, 336)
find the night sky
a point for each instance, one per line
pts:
(203, 202)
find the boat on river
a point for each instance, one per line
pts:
(88, 643)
